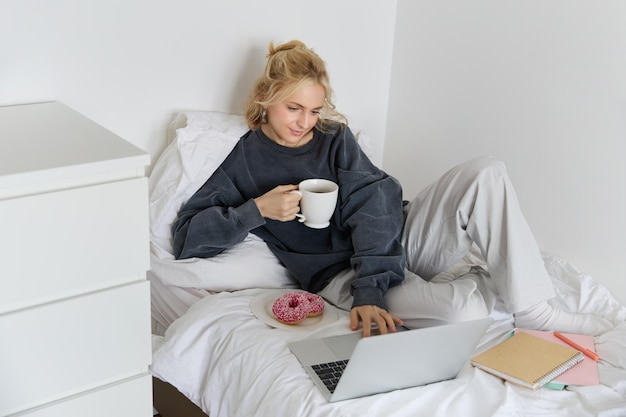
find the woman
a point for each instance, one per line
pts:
(378, 256)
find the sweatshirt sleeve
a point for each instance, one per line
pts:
(371, 207)
(213, 219)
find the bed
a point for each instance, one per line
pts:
(216, 353)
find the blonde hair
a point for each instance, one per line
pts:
(290, 66)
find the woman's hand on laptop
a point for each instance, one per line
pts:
(370, 314)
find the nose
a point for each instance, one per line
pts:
(303, 120)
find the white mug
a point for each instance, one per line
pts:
(319, 198)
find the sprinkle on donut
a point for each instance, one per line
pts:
(293, 307)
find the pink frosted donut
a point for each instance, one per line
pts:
(316, 304)
(291, 308)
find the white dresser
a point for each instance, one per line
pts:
(74, 250)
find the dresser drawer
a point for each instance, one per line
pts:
(68, 347)
(63, 243)
(131, 398)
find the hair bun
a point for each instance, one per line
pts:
(287, 46)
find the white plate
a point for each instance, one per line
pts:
(261, 307)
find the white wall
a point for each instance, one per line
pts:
(131, 64)
(539, 84)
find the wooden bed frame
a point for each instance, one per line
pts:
(170, 402)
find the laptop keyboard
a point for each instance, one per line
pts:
(330, 373)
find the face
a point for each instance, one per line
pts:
(291, 122)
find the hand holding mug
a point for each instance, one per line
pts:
(279, 203)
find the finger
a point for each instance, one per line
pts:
(363, 315)
(293, 199)
(367, 328)
(381, 320)
(354, 319)
(390, 322)
(287, 188)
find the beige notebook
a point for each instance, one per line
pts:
(527, 360)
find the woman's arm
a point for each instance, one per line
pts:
(215, 218)
(371, 206)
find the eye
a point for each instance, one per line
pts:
(315, 112)
(291, 108)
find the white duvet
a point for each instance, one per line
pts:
(232, 364)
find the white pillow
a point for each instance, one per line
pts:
(199, 142)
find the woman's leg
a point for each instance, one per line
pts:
(475, 203)
(449, 297)
(458, 294)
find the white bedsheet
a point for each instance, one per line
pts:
(231, 364)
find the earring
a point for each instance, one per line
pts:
(264, 116)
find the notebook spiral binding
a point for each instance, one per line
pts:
(579, 357)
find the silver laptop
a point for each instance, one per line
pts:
(350, 366)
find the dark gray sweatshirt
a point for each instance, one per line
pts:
(364, 232)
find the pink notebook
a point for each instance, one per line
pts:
(585, 372)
